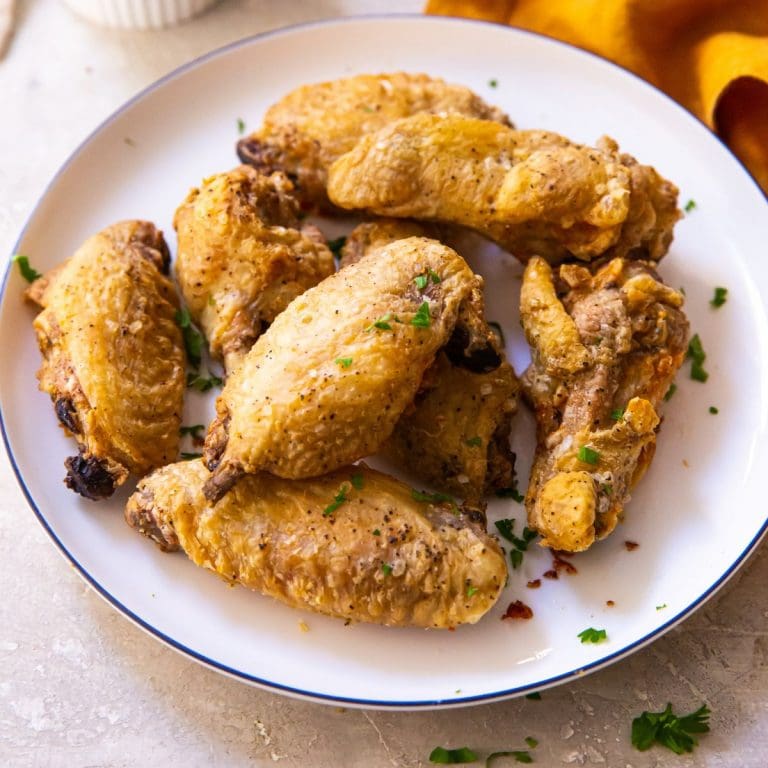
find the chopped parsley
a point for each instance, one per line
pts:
(713, 410)
(669, 730)
(520, 755)
(531, 742)
(434, 498)
(493, 83)
(671, 391)
(606, 488)
(421, 282)
(444, 756)
(188, 456)
(720, 297)
(193, 341)
(422, 318)
(474, 442)
(588, 455)
(27, 272)
(338, 500)
(592, 635)
(506, 529)
(382, 323)
(690, 205)
(201, 383)
(357, 481)
(344, 362)
(376, 532)
(535, 696)
(336, 245)
(698, 356)
(661, 607)
(617, 414)
(510, 493)
(386, 569)
(194, 431)
(498, 331)
(472, 590)
(240, 125)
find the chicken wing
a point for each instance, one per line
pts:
(604, 356)
(326, 383)
(354, 544)
(456, 433)
(113, 358)
(243, 257)
(532, 192)
(315, 124)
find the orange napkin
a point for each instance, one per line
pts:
(710, 55)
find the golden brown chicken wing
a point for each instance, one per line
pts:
(113, 359)
(325, 385)
(532, 192)
(456, 434)
(315, 124)
(604, 356)
(353, 544)
(243, 257)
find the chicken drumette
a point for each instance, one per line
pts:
(606, 347)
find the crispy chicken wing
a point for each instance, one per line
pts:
(606, 348)
(315, 124)
(326, 383)
(113, 358)
(243, 257)
(353, 544)
(456, 434)
(533, 192)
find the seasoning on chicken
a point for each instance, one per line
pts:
(327, 382)
(243, 256)
(606, 347)
(532, 192)
(354, 544)
(313, 125)
(113, 358)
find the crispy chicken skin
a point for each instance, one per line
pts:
(377, 556)
(532, 192)
(243, 257)
(326, 383)
(605, 348)
(456, 433)
(315, 124)
(113, 358)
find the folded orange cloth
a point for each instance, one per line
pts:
(710, 55)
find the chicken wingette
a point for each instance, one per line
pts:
(243, 256)
(455, 435)
(354, 544)
(606, 347)
(315, 124)
(113, 357)
(532, 192)
(326, 383)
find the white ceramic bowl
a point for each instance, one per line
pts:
(138, 14)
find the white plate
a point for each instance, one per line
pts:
(696, 516)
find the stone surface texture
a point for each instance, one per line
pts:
(82, 687)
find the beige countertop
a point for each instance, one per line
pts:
(82, 687)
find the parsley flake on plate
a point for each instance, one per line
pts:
(690, 206)
(201, 383)
(669, 730)
(188, 456)
(720, 297)
(506, 529)
(493, 83)
(510, 493)
(698, 356)
(336, 245)
(443, 756)
(671, 391)
(193, 431)
(240, 125)
(27, 272)
(592, 635)
(193, 341)
(713, 410)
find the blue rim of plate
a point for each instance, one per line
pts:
(290, 690)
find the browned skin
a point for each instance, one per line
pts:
(243, 256)
(455, 436)
(294, 409)
(532, 192)
(113, 358)
(315, 124)
(604, 345)
(378, 556)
